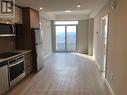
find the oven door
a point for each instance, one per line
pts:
(16, 71)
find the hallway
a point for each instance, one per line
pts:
(63, 74)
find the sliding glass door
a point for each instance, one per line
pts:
(66, 38)
(60, 38)
(71, 38)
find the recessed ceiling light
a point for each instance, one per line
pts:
(68, 11)
(78, 6)
(41, 8)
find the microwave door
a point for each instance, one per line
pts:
(7, 29)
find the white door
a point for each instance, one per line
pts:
(104, 43)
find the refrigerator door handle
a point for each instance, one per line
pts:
(38, 43)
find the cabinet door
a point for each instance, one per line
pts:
(28, 63)
(4, 84)
(36, 16)
(18, 15)
(34, 19)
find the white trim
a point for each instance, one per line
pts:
(6, 35)
(103, 57)
(105, 17)
(47, 55)
(98, 66)
(109, 87)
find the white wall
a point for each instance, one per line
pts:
(83, 41)
(72, 17)
(47, 41)
(90, 37)
(117, 45)
(82, 36)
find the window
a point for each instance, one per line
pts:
(66, 22)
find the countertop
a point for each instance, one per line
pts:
(22, 52)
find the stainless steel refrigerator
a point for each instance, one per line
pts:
(37, 49)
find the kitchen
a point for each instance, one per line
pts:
(21, 47)
(31, 62)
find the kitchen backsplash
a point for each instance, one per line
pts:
(7, 44)
(16, 19)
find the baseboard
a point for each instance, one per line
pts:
(98, 66)
(108, 88)
(47, 55)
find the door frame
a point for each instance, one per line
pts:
(66, 37)
(103, 66)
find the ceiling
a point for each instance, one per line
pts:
(59, 6)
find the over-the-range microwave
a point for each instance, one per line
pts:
(7, 29)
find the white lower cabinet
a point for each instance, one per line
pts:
(4, 84)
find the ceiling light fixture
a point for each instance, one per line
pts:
(68, 11)
(78, 6)
(41, 8)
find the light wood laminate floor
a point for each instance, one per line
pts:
(63, 74)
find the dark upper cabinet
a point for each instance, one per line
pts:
(31, 17)
(34, 19)
(30, 20)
